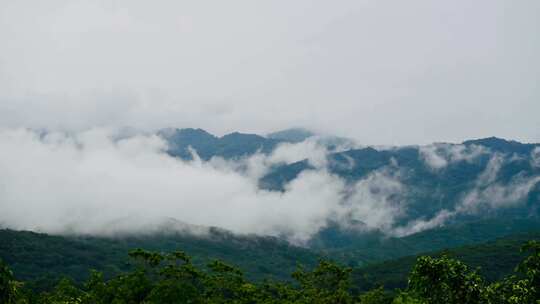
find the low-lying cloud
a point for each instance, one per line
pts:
(90, 184)
(487, 194)
(438, 156)
(535, 157)
(375, 202)
(95, 182)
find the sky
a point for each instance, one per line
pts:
(382, 72)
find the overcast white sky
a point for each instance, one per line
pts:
(383, 72)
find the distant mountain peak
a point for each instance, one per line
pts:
(238, 135)
(185, 132)
(291, 135)
(197, 131)
(490, 140)
(502, 145)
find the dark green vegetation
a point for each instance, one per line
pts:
(495, 259)
(35, 256)
(173, 278)
(356, 249)
(42, 259)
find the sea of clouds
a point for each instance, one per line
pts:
(94, 182)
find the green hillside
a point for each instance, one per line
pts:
(159, 278)
(45, 258)
(34, 256)
(356, 250)
(495, 259)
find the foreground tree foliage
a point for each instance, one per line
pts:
(172, 278)
(445, 280)
(8, 286)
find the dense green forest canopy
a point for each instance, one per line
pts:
(173, 278)
(42, 259)
(55, 268)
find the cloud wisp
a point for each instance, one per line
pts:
(440, 155)
(487, 194)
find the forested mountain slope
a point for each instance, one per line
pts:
(357, 249)
(158, 276)
(495, 260)
(428, 185)
(34, 256)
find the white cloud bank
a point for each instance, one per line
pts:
(91, 182)
(88, 183)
